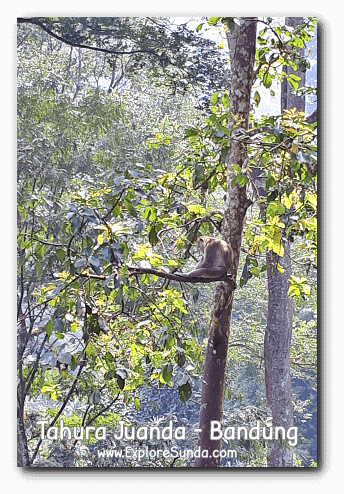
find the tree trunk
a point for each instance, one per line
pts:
(280, 321)
(22, 447)
(23, 459)
(241, 42)
(276, 354)
(288, 97)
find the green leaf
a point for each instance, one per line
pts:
(262, 41)
(61, 254)
(137, 403)
(225, 130)
(229, 22)
(95, 397)
(256, 98)
(46, 389)
(298, 42)
(40, 251)
(153, 215)
(225, 100)
(166, 374)
(199, 27)
(280, 268)
(130, 207)
(270, 181)
(153, 238)
(213, 20)
(110, 360)
(261, 54)
(293, 83)
(45, 228)
(234, 181)
(73, 362)
(267, 81)
(49, 327)
(242, 180)
(95, 264)
(58, 325)
(225, 154)
(213, 99)
(76, 223)
(185, 391)
(90, 350)
(191, 132)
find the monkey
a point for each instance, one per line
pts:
(216, 259)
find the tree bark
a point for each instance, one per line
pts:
(277, 355)
(288, 97)
(280, 321)
(241, 42)
(23, 459)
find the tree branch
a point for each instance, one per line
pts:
(313, 117)
(253, 132)
(65, 401)
(181, 277)
(268, 130)
(168, 276)
(37, 22)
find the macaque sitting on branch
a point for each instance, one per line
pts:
(216, 259)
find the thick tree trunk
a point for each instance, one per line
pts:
(241, 41)
(279, 322)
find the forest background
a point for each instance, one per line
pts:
(121, 164)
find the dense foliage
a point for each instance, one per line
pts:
(121, 164)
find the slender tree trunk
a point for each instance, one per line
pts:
(23, 459)
(288, 97)
(280, 321)
(277, 355)
(241, 42)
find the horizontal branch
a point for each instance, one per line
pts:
(168, 276)
(181, 277)
(259, 130)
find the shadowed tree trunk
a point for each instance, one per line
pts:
(276, 354)
(279, 322)
(22, 447)
(241, 42)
